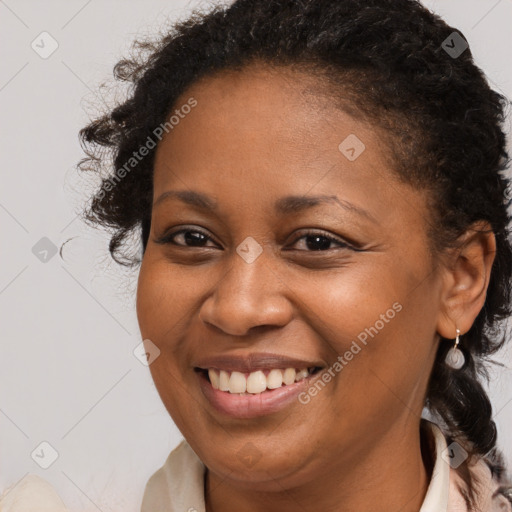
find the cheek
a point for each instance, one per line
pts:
(163, 301)
(343, 306)
(377, 299)
(164, 297)
(380, 320)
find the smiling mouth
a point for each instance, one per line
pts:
(256, 382)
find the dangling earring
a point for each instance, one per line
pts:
(455, 358)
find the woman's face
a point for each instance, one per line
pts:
(255, 278)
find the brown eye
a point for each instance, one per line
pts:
(318, 241)
(191, 238)
(314, 241)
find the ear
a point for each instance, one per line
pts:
(466, 275)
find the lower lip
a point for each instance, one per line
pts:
(252, 405)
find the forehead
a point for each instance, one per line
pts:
(256, 117)
(262, 133)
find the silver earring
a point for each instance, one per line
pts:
(455, 358)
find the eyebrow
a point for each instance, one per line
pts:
(284, 206)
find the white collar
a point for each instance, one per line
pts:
(179, 484)
(436, 499)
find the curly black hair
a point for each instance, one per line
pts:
(390, 61)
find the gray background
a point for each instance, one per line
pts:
(68, 373)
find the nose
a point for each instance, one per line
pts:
(249, 296)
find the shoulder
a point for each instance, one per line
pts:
(178, 484)
(485, 475)
(29, 494)
(462, 483)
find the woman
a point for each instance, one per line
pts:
(323, 215)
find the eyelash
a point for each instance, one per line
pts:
(168, 239)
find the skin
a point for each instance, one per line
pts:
(254, 137)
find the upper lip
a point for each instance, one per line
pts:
(253, 361)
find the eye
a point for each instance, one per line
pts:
(192, 237)
(319, 241)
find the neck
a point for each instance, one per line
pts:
(392, 474)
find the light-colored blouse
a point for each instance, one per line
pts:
(178, 486)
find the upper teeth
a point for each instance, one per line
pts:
(255, 382)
